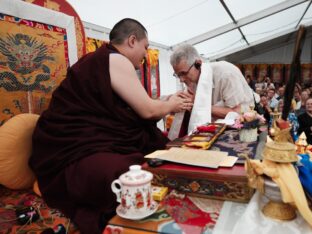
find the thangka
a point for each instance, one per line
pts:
(33, 61)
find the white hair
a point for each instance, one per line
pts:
(184, 52)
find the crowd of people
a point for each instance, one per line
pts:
(271, 99)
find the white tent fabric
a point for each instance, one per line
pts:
(213, 26)
(231, 30)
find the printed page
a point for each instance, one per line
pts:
(155, 154)
(195, 157)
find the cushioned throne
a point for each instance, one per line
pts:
(36, 47)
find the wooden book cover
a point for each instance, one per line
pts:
(202, 138)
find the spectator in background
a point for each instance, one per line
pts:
(292, 118)
(250, 82)
(297, 96)
(269, 84)
(309, 91)
(305, 121)
(260, 83)
(303, 98)
(259, 90)
(277, 86)
(272, 101)
(263, 107)
(280, 92)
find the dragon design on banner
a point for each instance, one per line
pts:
(33, 61)
(24, 55)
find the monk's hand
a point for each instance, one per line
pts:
(188, 104)
(180, 102)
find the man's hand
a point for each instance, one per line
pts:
(219, 112)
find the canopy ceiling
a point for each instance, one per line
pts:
(215, 27)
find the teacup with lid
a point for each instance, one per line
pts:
(134, 193)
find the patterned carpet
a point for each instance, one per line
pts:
(11, 200)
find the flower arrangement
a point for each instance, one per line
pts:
(248, 120)
(248, 124)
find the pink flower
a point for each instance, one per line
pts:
(249, 116)
(237, 124)
(261, 118)
(248, 120)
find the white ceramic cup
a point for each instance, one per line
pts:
(133, 191)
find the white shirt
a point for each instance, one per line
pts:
(230, 86)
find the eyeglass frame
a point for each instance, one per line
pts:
(183, 73)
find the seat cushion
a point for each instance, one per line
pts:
(15, 150)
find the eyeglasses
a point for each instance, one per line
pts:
(183, 73)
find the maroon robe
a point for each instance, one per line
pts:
(85, 139)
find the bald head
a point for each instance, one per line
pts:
(126, 27)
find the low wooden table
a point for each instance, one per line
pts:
(175, 215)
(223, 183)
(182, 216)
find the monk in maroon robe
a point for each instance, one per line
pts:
(99, 122)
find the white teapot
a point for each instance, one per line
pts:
(134, 193)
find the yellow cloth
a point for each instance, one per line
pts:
(199, 145)
(199, 138)
(93, 44)
(153, 57)
(286, 177)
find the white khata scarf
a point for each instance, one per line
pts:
(201, 112)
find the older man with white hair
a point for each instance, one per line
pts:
(219, 87)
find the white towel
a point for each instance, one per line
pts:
(201, 112)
